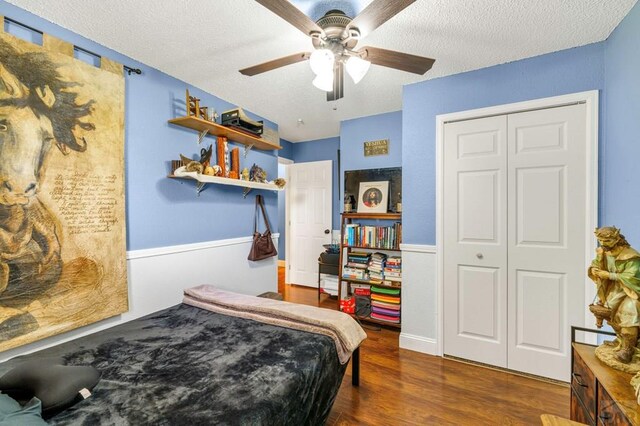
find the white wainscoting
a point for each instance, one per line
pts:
(158, 276)
(419, 299)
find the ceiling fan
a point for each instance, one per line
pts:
(334, 37)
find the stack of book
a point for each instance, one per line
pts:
(384, 237)
(385, 304)
(356, 267)
(376, 267)
(393, 271)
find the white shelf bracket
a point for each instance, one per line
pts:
(245, 191)
(201, 135)
(247, 148)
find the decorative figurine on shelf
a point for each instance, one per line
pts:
(195, 110)
(213, 115)
(257, 174)
(616, 272)
(245, 174)
(205, 156)
(235, 163)
(193, 105)
(399, 203)
(280, 183)
(204, 113)
(223, 155)
(349, 202)
(191, 165)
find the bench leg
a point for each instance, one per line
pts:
(355, 368)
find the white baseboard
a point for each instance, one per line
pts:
(157, 278)
(418, 344)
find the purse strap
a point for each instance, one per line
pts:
(260, 202)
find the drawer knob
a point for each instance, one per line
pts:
(578, 378)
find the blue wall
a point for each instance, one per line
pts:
(319, 150)
(568, 71)
(619, 174)
(353, 134)
(162, 211)
(287, 149)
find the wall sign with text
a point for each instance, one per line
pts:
(380, 147)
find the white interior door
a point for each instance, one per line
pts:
(310, 219)
(475, 240)
(547, 194)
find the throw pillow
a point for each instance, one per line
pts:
(58, 386)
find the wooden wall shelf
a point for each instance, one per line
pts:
(203, 180)
(218, 130)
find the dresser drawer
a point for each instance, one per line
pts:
(608, 411)
(578, 412)
(583, 383)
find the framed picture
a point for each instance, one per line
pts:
(373, 197)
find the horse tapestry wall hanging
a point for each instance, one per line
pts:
(62, 216)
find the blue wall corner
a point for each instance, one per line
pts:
(568, 71)
(287, 149)
(353, 134)
(620, 147)
(319, 150)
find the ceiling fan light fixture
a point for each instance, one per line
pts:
(357, 68)
(324, 82)
(321, 61)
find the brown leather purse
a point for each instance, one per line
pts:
(262, 246)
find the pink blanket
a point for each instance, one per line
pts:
(345, 332)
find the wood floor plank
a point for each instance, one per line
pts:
(401, 387)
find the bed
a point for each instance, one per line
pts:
(187, 365)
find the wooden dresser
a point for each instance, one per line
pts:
(600, 395)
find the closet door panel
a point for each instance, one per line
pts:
(546, 243)
(475, 240)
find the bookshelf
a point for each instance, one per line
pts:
(370, 245)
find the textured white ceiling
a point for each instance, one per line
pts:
(205, 43)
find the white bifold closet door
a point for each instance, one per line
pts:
(514, 243)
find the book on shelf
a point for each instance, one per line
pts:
(384, 237)
(356, 285)
(362, 291)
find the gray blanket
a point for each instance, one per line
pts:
(189, 366)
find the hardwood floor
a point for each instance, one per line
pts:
(401, 387)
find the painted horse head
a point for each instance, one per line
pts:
(37, 111)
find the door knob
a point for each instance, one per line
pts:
(326, 231)
(479, 255)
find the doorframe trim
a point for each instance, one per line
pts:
(591, 100)
(286, 162)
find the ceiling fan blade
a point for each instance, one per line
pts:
(291, 14)
(377, 13)
(338, 83)
(276, 63)
(397, 60)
